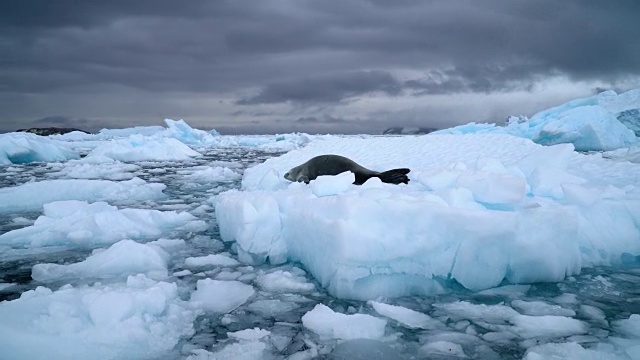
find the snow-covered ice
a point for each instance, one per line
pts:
(33, 195)
(597, 123)
(221, 296)
(139, 319)
(79, 223)
(330, 324)
(123, 258)
(472, 213)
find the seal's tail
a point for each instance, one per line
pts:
(395, 176)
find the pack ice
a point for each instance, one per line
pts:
(481, 209)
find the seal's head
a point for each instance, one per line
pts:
(297, 174)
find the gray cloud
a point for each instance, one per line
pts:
(326, 88)
(254, 54)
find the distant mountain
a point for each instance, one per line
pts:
(401, 130)
(50, 131)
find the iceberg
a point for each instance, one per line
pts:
(473, 213)
(20, 148)
(602, 122)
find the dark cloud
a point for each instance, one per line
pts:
(256, 54)
(326, 119)
(326, 88)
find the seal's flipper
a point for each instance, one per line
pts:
(395, 176)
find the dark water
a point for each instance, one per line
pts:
(615, 291)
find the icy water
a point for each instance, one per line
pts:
(597, 297)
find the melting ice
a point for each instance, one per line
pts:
(177, 243)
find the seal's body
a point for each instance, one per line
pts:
(336, 164)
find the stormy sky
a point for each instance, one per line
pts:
(325, 66)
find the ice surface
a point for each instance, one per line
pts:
(444, 348)
(94, 168)
(329, 324)
(221, 296)
(139, 319)
(284, 281)
(80, 223)
(123, 258)
(590, 124)
(144, 148)
(472, 212)
(210, 260)
(568, 351)
(32, 196)
(20, 148)
(407, 317)
(505, 320)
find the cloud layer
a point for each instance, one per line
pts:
(230, 64)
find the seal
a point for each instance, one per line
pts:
(336, 164)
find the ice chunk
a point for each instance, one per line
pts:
(506, 319)
(587, 128)
(590, 124)
(211, 260)
(567, 351)
(451, 223)
(123, 258)
(212, 174)
(249, 334)
(284, 281)
(406, 317)
(90, 225)
(332, 185)
(141, 148)
(139, 319)
(20, 148)
(181, 131)
(444, 348)
(538, 308)
(220, 296)
(630, 326)
(105, 169)
(329, 324)
(32, 196)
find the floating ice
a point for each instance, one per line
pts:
(20, 148)
(505, 321)
(221, 296)
(212, 174)
(181, 131)
(139, 319)
(472, 212)
(90, 225)
(103, 169)
(141, 148)
(329, 324)
(210, 260)
(284, 281)
(249, 334)
(123, 258)
(32, 196)
(539, 308)
(589, 124)
(567, 351)
(444, 348)
(406, 317)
